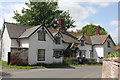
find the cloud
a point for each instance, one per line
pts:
(77, 11)
(101, 4)
(114, 23)
(13, 0)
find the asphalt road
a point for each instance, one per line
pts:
(77, 72)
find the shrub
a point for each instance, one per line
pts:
(89, 60)
(70, 61)
(113, 54)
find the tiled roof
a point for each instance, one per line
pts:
(100, 39)
(19, 31)
(15, 30)
(29, 31)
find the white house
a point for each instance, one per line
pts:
(39, 44)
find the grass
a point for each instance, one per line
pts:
(4, 63)
(54, 65)
(113, 54)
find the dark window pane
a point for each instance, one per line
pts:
(41, 54)
(41, 35)
(58, 40)
(82, 42)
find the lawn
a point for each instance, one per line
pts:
(55, 65)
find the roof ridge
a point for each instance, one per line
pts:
(17, 24)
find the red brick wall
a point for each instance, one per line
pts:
(111, 68)
(19, 56)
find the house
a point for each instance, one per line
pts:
(29, 45)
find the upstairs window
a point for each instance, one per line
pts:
(108, 44)
(41, 35)
(57, 53)
(82, 43)
(58, 40)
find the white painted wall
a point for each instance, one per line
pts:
(87, 48)
(6, 44)
(35, 44)
(98, 51)
(24, 43)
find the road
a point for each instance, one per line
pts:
(77, 72)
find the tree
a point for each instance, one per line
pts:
(46, 13)
(91, 30)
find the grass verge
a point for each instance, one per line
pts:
(55, 65)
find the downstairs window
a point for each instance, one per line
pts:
(57, 53)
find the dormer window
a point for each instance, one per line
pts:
(41, 35)
(82, 43)
(108, 44)
(58, 40)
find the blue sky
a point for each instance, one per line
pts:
(97, 12)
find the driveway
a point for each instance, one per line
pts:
(77, 72)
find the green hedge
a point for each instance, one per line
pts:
(89, 60)
(70, 61)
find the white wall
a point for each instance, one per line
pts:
(34, 45)
(6, 44)
(87, 48)
(98, 51)
(24, 43)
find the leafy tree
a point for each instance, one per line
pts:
(46, 13)
(91, 30)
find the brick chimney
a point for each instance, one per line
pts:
(61, 24)
(97, 31)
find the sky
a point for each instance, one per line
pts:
(98, 12)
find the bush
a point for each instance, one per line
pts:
(89, 60)
(113, 54)
(70, 61)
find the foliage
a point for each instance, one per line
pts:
(70, 61)
(46, 13)
(71, 52)
(89, 60)
(91, 30)
(113, 54)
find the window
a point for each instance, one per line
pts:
(108, 53)
(58, 40)
(57, 53)
(41, 35)
(82, 42)
(41, 54)
(91, 54)
(108, 44)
